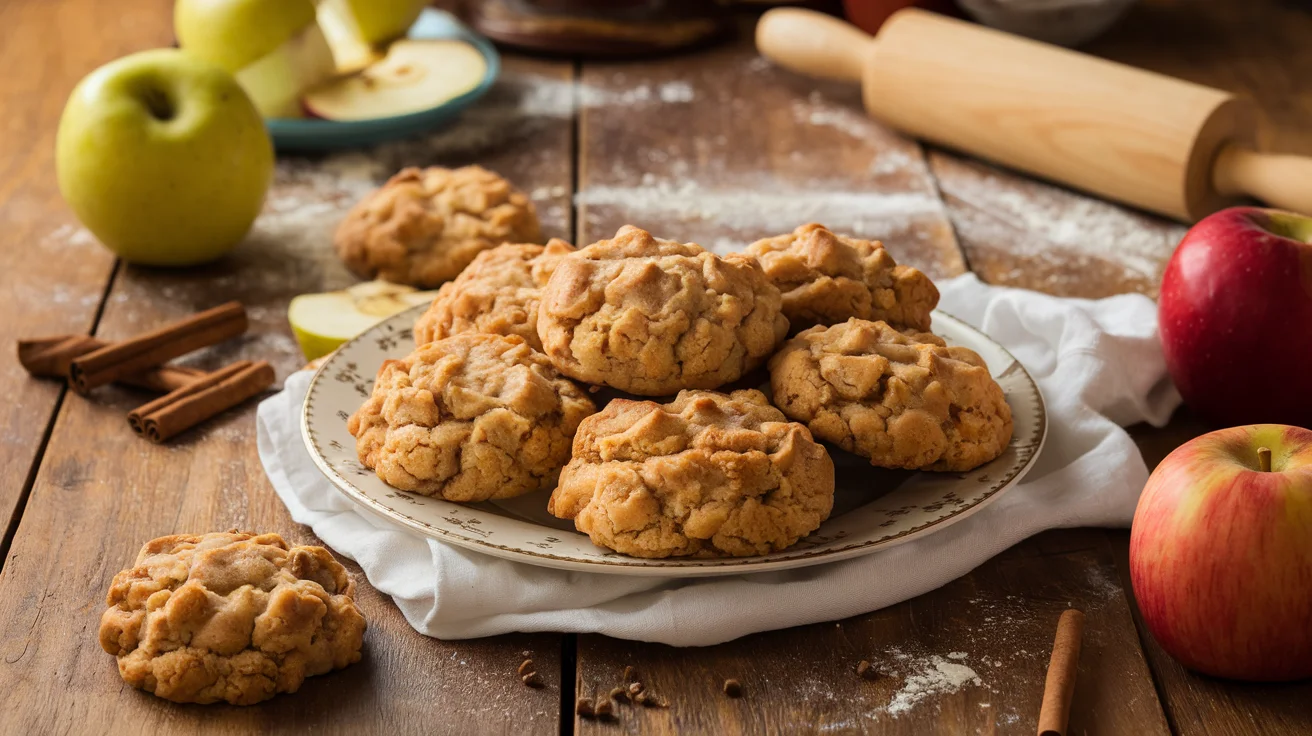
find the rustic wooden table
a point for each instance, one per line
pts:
(716, 147)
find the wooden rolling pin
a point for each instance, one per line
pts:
(1149, 140)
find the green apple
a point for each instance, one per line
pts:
(322, 322)
(275, 48)
(163, 158)
(415, 75)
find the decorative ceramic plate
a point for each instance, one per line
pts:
(873, 508)
(312, 134)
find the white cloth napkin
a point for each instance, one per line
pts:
(1098, 364)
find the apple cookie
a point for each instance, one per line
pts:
(827, 279)
(708, 474)
(903, 400)
(230, 616)
(425, 225)
(469, 418)
(652, 317)
(496, 295)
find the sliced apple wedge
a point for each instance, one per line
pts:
(415, 75)
(276, 81)
(322, 322)
(274, 47)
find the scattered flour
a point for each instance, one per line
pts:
(931, 677)
(1045, 222)
(761, 206)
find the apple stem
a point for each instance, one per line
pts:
(1264, 459)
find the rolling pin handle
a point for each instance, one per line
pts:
(1279, 180)
(813, 43)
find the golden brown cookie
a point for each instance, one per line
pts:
(827, 279)
(230, 616)
(901, 400)
(652, 317)
(425, 225)
(469, 418)
(496, 295)
(707, 474)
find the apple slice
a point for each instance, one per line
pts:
(350, 49)
(276, 81)
(274, 48)
(415, 75)
(322, 322)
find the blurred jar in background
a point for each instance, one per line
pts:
(607, 28)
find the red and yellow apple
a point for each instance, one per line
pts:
(1235, 314)
(1221, 553)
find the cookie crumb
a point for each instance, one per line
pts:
(733, 688)
(584, 708)
(640, 697)
(604, 710)
(630, 674)
(525, 667)
(532, 680)
(635, 688)
(619, 694)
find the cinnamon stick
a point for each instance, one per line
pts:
(50, 357)
(113, 362)
(1060, 685)
(190, 405)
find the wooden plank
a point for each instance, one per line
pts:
(101, 492)
(967, 658)
(1024, 233)
(52, 272)
(721, 148)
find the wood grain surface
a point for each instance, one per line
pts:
(54, 272)
(720, 148)
(716, 147)
(998, 621)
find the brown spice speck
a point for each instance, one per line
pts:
(630, 674)
(619, 694)
(733, 688)
(604, 710)
(525, 667)
(532, 680)
(865, 671)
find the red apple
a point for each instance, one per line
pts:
(1221, 553)
(1236, 317)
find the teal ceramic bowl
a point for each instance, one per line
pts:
(311, 134)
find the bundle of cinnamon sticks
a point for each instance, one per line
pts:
(191, 396)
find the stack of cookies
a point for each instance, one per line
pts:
(489, 404)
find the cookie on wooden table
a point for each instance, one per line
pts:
(496, 295)
(469, 418)
(652, 316)
(826, 279)
(230, 616)
(903, 400)
(708, 474)
(425, 225)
